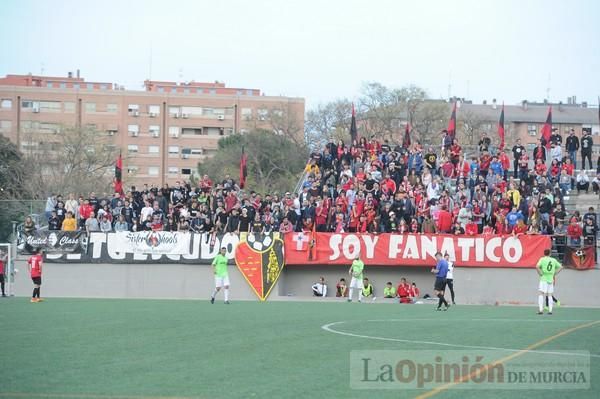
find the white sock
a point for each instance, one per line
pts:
(226, 293)
(550, 304)
(351, 293)
(360, 295)
(214, 294)
(541, 302)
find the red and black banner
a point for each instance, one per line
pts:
(452, 123)
(119, 175)
(501, 128)
(579, 258)
(547, 129)
(353, 130)
(243, 168)
(406, 142)
(259, 257)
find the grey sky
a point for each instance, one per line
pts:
(320, 50)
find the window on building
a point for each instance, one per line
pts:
(154, 130)
(63, 85)
(532, 130)
(133, 109)
(76, 86)
(191, 151)
(50, 106)
(5, 126)
(197, 131)
(173, 89)
(161, 89)
(133, 130)
(173, 170)
(248, 92)
(90, 86)
(132, 148)
(103, 87)
(186, 90)
(153, 149)
(112, 108)
(49, 85)
(6, 103)
(29, 104)
(132, 170)
(174, 111)
(173, 149)
(212, 92)
(186, 171)
(208, 111)
(173, 131)
(240, 92)
(69, 106)
(90, 107)
(262, 114)
(154, 110)
(153, 170)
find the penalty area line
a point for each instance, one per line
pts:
(328, 328)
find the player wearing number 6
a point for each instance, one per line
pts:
(547, 267)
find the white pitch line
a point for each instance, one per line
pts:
(545, 320)
(327, 327)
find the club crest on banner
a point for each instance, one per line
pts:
(260, 259)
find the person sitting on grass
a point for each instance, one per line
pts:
(320, 288)
(404, 291)
(366, 290)
(389, 291)
(341, 289)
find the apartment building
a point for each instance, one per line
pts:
(162, 131)
(525, 121)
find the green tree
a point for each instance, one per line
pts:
(14, 173)
(275, 162)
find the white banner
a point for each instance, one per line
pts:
(151, 242)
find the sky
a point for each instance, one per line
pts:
(322, 50)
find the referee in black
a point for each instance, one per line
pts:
(440, 271)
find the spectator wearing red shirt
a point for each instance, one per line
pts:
(444, 221)
(471, 228)
(574, 232)
(85, 211)
(505, 161)
(403, 291)
(540, 168)
(484, 163)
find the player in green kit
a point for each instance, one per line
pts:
(219, 265)
(547, 268)
(356, 271)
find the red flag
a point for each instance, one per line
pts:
(501, 128)
(452, 123)
(119, 175)
(243, 169)
(406, 141)
(547, 129)
(353, 130)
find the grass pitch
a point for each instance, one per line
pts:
(107, 349)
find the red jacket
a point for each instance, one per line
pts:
(444, 223)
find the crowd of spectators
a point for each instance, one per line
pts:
(373, 187)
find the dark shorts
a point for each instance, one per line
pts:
(440, 284)
(1, 278)
(37, 280)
